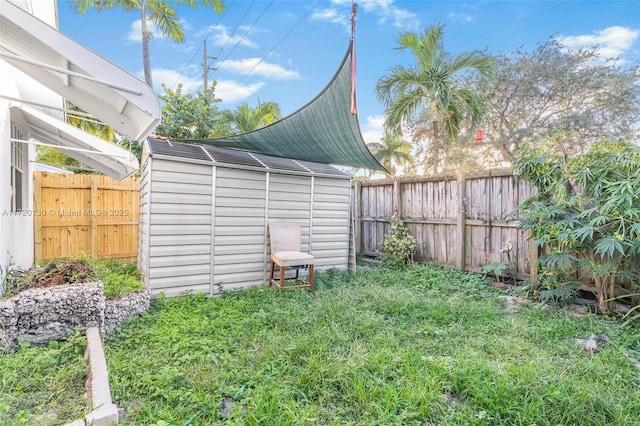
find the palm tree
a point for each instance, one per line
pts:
(156, 12)
(245, 119)
(80, 119)
(433, 84)
(391, 150)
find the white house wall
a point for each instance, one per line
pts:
(179, 227)
(6, 221)
(16, 231)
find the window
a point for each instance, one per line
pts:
(17, 169)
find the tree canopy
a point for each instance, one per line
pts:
(191, 116)
(552, 92)
(246, 119)
(157, 12)
(433, 85)
(391, 152)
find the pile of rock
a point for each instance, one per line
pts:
(40, 315)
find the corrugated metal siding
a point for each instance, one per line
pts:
(331, 222)
(180, 231)
(239, 228)
(143, 215)
(290, 201)
(196, 210)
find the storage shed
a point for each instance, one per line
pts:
(204, 215)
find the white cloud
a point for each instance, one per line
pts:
(231, 91)
(460, 17)
(135, 35)
(171, 79)
(221, 37)
(385, 9)
(373, 129)
(227, 90)
(331, 15)
(610, 43)
(255, 67)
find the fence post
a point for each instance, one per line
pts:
(37, 220)
(397, 196)
(461, 222)
(94, 225)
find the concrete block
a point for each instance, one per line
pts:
(103, 411)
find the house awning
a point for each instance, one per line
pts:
(97, 153)
(86, 79)
(323, 131)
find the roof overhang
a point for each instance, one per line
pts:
(86, 79)
(88, 149)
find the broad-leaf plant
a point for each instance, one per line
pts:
(585, 218)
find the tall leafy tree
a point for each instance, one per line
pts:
(157, 12)
(433, 83)
(391, 151)
(191, 115)
(245, 119)
(549, 90)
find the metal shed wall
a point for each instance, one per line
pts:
(331, 223)
(143, 213)
(180, 220)
(239, 237)
(290, 201)
(181, 198)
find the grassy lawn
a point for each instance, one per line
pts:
(425, 346)
(43, 385)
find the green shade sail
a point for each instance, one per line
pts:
(323, 131)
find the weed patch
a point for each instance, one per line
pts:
(44, 385)
(118, 278)
(422, 345)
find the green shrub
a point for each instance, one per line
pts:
(495, 269)
(118, 278)
(585, 217)
(398, 246)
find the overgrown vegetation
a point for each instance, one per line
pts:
(118, 278)
(495, 270)
(422, 345)
(43, 386)
(585, 218)
(398, 245)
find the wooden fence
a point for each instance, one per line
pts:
(460, 221)
(75, 214)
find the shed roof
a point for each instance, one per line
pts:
(191, 153)
(323, 131)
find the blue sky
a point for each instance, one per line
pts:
(286, 51)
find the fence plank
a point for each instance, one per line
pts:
(85, 214)
(460, 221)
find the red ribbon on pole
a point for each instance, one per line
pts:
(354, 11)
